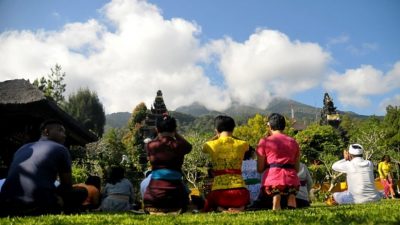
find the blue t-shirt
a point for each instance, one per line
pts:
(34, 169)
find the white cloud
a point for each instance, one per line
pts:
(338, 40)
(355, 86)
(393, 101)
(364, 49)
(268, 64)
(136, 52)
(125, 66)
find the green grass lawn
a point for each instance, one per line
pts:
(384, 212)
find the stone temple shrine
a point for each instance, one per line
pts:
(148, 129)
(157, 110)
(329, 115)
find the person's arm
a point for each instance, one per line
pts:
(380, 171)
(186, 145)
(65, 185)
(206, 148)
(66, 179)
(342, 165)
(64, 169)
(260, 163)
(260, 156)
(297, 163)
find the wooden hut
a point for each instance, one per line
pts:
(23, 108)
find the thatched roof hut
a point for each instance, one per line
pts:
(23, 108)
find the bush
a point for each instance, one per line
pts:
(79, 173)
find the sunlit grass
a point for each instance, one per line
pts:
(383, 212)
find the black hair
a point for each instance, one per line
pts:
(277, 121)
(94, 180)
(166, 123)
(384, 157)
(44, 125)
(249, 154)
(116, 174)
(224, 123)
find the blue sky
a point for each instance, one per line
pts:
(212, 52)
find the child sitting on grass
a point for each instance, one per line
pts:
(118, 193)
(250, 175)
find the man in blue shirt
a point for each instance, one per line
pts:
(29, 188)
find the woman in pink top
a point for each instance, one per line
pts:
(279, 156)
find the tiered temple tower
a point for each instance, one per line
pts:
(329, 115)
(157, 110)
(148, 129)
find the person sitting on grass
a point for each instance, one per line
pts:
(29, 188)
(166, 192)
(278, 160)
(228, 193)
(93, 187)
(386, 176)
(360, 178)
(118, 193)
(306, 183)
(250, 175)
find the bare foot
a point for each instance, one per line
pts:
(230, 210)
(236, 210)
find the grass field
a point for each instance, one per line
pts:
(384, 212)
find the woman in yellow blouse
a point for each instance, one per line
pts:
(228, 192)
(385, 175)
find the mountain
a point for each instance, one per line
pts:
(285, 106)
(197, 115)
(279, 105)
(290, 108)
(116, 120)
(196, 109)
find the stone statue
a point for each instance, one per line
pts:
(329, 115)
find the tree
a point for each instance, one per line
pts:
(133, 139)
(138, 115)
(108, 151)
(203, 124)
(195, 165)
(316, 139)
(253, 131)
(391, 124)
(371, 136)
(86, 107)
(256, 128)
(321, 146)
(53, 87)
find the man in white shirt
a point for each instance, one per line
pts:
(360, 177)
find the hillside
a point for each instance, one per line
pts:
(199, 117)
(196, 110)
(302, 112)
(116, 120)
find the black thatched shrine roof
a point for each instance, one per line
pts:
(23, 107)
